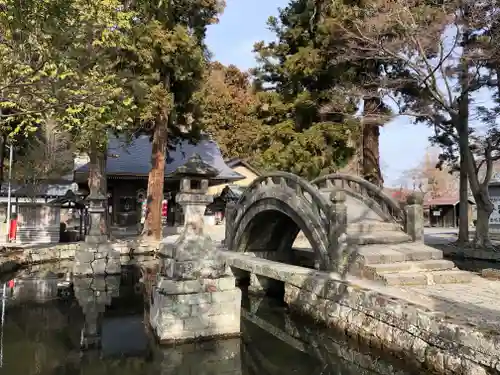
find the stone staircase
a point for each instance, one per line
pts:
(371, 232)
(406, 263)
(386, 254)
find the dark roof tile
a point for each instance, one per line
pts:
(135, 158)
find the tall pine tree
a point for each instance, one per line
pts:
(305, 68)
(165, 62)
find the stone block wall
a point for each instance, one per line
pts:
(392, 325)
(186, 310)
(13, 259)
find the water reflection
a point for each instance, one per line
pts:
(307, 345)
(93, 295)
(55, 325)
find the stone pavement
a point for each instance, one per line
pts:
(476, 303)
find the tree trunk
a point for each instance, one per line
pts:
(462, 126)
(97, 181)
(3, 141)
(463, 208)
(355, 164)
(373, 110)
(484, 210)
(153, 226)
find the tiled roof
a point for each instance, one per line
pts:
(444, 201)
(231, 192)
(134, 159)
(41, 190)
(441, 201)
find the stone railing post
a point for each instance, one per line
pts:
(229, 217)
(338, 230)
(415, 217)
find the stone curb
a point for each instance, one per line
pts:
(417, 332)
(51, 253)
(455, 252)
(397, 324)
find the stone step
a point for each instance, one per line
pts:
(379, 237)
(373, 226)
(406, 252)
(371, 271)
(425, 278)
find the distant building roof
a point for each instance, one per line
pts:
(38, 190)
(231, 193)
(443, 201)
(134, 158)
(235, 161)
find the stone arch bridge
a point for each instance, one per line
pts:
(336, 222)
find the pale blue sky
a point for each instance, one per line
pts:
(402, 145)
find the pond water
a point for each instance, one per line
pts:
(99, 326)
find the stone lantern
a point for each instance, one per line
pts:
(195, 295)
(97, 213)
(194, 177)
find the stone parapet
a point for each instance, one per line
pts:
(397, 326)
(373, 314)
(12, 259)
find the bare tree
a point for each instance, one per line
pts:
(433, 63)
(46, 157)
(431, 178)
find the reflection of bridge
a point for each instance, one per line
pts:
(337, 223)
(335, 355)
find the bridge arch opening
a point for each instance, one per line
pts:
(269, 232)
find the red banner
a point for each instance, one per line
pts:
(164, 208)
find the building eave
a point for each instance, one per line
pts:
(234, 162)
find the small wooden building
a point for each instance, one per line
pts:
(38, 220)
(241, 167)
(444, 211)
(494, 190)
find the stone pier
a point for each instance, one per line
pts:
(195, 296)
(264, 285)
(96, 256)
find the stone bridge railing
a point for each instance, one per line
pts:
(370, 194)
(318, 209)
(292, 196)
